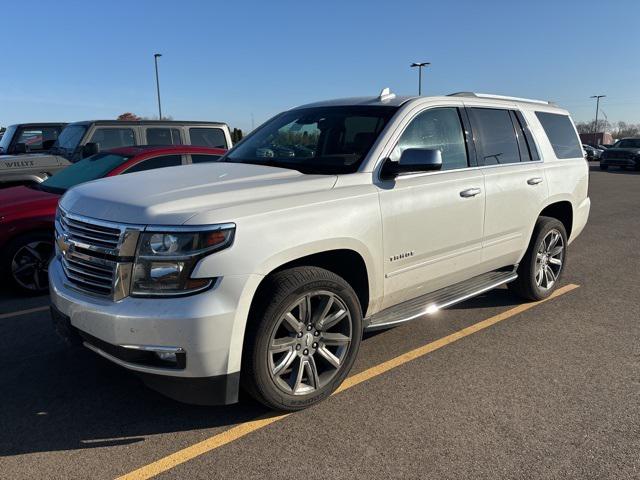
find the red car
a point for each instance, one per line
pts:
(27, 212)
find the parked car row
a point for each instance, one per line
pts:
(27, 212)
(59, 147)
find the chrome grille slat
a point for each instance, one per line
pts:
(107, 279)
(90, 231)
(90, 265)
(85, 282)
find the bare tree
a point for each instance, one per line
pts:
(128, 116)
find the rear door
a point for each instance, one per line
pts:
(514, 182)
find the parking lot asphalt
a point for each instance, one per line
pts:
(551, 390)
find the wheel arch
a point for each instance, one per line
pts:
(561, 210)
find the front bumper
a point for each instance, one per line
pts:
(620, 162)
(203, 326)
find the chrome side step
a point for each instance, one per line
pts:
(434, 301)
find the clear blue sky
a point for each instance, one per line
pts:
(231, 60)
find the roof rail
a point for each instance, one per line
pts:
(499, 97)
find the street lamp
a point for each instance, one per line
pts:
(155, 58)
(420, 65)
(595, 127)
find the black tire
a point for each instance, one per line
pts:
(526, 285)
(276, 298)
(13, 256)
(604, 167)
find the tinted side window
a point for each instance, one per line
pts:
(561, 134)
(207, 137)
(163, 136)
(495, 136)
(438, 129)
(107, 138)
(156, 162)
(195, 158)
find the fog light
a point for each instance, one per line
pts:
(167, 357)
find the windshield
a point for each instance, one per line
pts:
(326, 140)
(70, 137)
(5, 141)
(90, 168)
(628, 143)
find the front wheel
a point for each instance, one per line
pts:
(543, 264)
(25, 262)
(302, 339)
(604, 167)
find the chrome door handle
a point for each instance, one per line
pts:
(534, 181)
(470, 192)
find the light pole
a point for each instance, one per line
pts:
(420, 65)
(595, 127)
(155, 58)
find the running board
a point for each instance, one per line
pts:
(434, 301)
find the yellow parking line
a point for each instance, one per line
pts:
(246, 428)
(23, 312)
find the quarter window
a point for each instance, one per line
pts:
(494, 135)
(208, 137)
(437, 129)
(156, 162)
(561, 134)
(108, 138)
(163, 136)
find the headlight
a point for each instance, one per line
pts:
(166, 259)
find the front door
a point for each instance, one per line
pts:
(432, 222)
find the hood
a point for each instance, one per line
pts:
(21, 200)
(171, 196)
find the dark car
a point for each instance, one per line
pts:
(624, 153)
(24, 138)
(27, 213)
(591, 152)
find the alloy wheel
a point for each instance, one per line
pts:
(549, 259)
(30, 265)
(310, 342)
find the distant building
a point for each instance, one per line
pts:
(600, 138)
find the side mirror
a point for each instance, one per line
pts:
(89, 149)
(48, 144)
(20, 148)
(413, 160)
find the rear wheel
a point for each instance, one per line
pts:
(25, 262)
(543, 263)
(304, 336)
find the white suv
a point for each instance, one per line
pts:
(263, 270)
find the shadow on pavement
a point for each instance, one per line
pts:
(56, 398)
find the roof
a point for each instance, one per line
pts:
(394, 101)
(170, 149)
(388, 99)
(40, 124)
(146, 122)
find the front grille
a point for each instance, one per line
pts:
(88, 274)
(96, 256)
(620, 154)
(91, 234)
